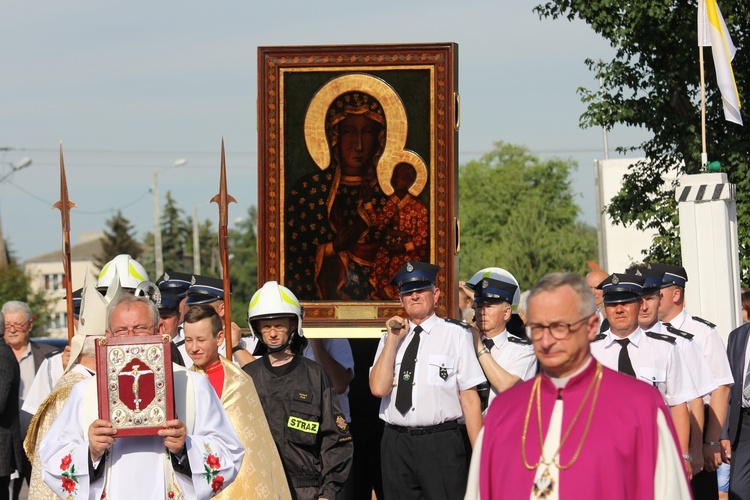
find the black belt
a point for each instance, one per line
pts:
(746, 410)
(430, 429)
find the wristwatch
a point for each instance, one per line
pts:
(240, 345)
(688, 457)
(484, 350)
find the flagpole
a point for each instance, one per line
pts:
(704, 154)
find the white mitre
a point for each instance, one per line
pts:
(92, 320)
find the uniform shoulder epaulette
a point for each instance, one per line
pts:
(680, 333)
(457, 322)
(519, 340)
(599, 337)
(704, 321)
(661, 336)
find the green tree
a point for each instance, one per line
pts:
(519, 213)
(15, 284)
(148, 258)
(175, 235)
(653, 82)
(243, 249)
(118, 239)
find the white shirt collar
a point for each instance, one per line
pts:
(427, 324)
(498, 340)
(635, 337)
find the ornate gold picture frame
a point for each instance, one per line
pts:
(357, 175)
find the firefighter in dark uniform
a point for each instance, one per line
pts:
(298, 398)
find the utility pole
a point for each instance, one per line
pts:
(158, 258)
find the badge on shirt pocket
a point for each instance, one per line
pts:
(441, 369)
(654, 376)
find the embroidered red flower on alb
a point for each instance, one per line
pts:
(170, 494)
(217, 483)
(213, 461)
(68, 484)
(66, 461)
(211, 466)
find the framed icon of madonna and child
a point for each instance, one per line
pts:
(357, 168)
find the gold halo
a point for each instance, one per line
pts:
(388, 162)
(397, 127)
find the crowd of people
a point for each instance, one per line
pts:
(581, 387)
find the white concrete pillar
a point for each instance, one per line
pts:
(708, 236)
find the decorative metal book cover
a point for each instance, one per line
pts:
(135, 385)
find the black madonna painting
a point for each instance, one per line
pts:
(357, 172)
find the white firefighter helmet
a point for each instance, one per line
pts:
(499, 274)
(130, 272)
(276, 301)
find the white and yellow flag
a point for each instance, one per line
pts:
(712, 31)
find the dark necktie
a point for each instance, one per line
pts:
(406, 374)
(489, 343)
(623, 364)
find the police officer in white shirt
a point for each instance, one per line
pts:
(426, 373)
(506, 359)
(703, 380)
(672, 312)
(650, 357)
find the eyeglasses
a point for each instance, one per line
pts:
(18, 327)
(137, 330)
(558, 330)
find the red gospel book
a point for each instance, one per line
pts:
(134, 383)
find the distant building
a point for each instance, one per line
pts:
(47, 272)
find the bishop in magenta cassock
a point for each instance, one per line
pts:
(577, 430)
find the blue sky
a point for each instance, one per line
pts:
(130, 87)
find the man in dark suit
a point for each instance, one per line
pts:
(738, 423)
(10, 433)
(19, 321)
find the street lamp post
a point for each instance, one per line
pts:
(15, 167)
(196, 240)
(158, 258)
